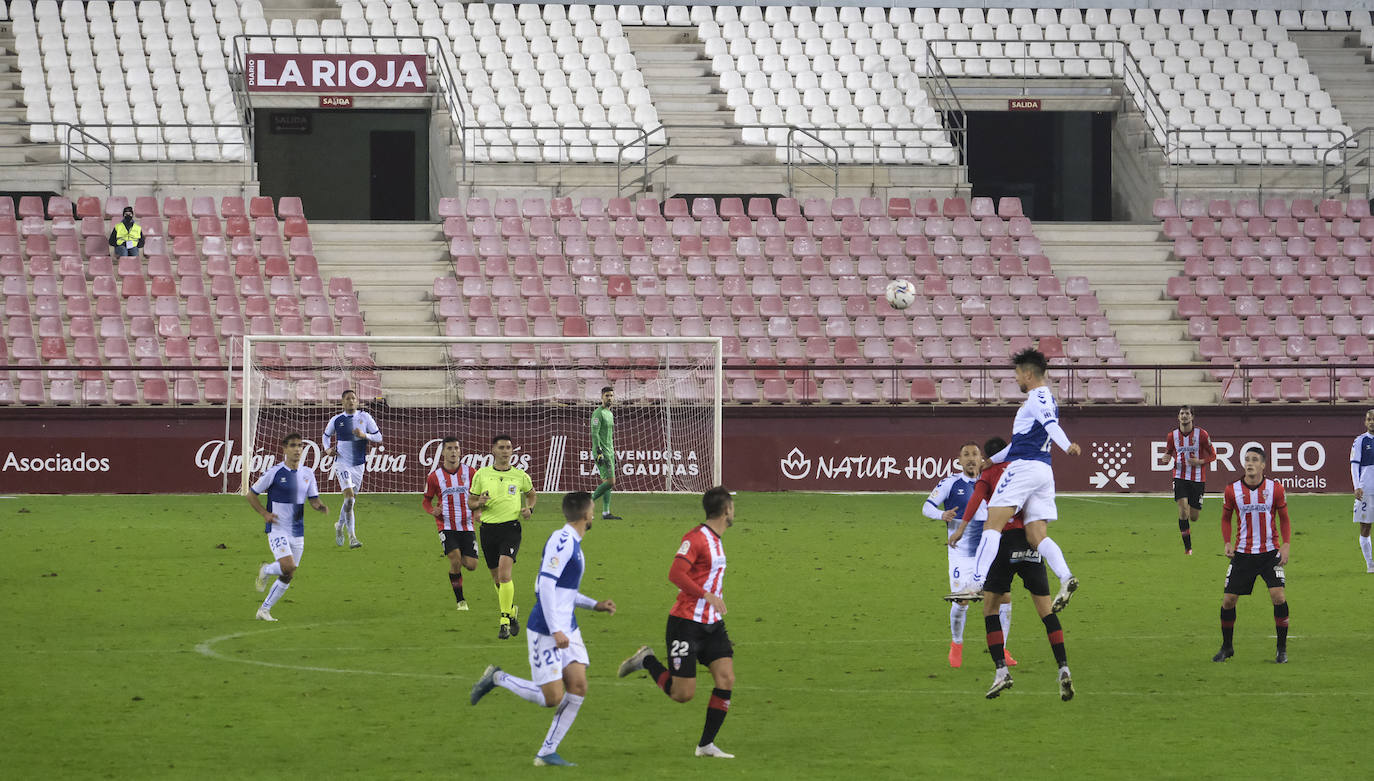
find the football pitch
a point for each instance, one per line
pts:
(130, 651)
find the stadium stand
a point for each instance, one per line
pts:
(211, 273)
(789, 288)
(1286, 284)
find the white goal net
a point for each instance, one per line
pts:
(539, 391)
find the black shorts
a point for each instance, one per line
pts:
(1245, 567)
(690, 642)
(1016, 557)
(500, 539)
(1191, 490)
(463, 542)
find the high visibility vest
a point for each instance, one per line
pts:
(123, 234)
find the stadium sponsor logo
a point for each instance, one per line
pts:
(1111, 458)
(55, 463)
(796, 466)
(432, 450)
(644, 463)
(316, 72)
(217, 458)
(553, 467)
(1294, 464)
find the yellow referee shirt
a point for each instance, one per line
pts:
(506, 490)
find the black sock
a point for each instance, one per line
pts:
(996, 642)
(1228, 626)
(1055, 633)
(1186, 532)
(716, 709)
(1281, 625)
(455, 579)
(658, 673)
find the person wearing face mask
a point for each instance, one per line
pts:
(127, 235)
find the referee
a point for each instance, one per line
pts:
(505, 496)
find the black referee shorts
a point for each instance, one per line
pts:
(1191, 490)
(1015, 557)
(500, 539)
(1245, 567)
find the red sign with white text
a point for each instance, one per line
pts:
(185, 450)
(1023, 104)
(371, 73)
(336, 101)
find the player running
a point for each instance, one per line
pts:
(1191, 450)
(1014, 557)
(558, 657)
(947, 503)
(1027, 484)
(603, 451)
(1262, 509)
(448, 484)
(505, 495)
(347, 437)
(1362, 475)
(288, 487)
(696, 624)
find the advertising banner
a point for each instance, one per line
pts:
(347, 73)
(765, 448)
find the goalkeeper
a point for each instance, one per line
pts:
(603, 451)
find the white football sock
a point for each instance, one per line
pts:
(1365, 548)
(1049, 550)
(275, 593)
(563, 717)
(1004, 615)
(273, 569)
(957, 616)
(350, 519)
(525, 690)
(987, 553)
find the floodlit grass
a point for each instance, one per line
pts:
(129, 649)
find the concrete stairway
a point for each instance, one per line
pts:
(1128, 266)
(393, 266)
(15, 147)
(1342, 66)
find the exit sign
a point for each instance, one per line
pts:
(336, 101)
(1023, 104)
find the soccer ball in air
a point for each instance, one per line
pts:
(900, 293)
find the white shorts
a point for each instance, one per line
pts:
(283, 544)
(547, 660)
(1364, 508)
(349, 476)
(1029, 487)
(960, 571)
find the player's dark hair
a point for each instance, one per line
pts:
(607, 389)
(1033, 358)
(1186, 407)
(1258, 451)
(500, 437)
(966, 444)
(346, 392)
(576, 504)
(714, 501)
(289, 438)
(994, 446)
(447, 440)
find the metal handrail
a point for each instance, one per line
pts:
(63, 132)
(436, 51)
(947, 99)
(1177, 146)
(1333, 185)
(642, 140)
(802, 151)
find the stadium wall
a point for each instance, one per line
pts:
(151, 450)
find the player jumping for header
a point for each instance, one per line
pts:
(1027, 485)
(347, 437)
(603, 450)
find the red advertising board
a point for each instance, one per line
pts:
(765, 449)
(351, 73)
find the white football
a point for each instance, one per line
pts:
(900, 293)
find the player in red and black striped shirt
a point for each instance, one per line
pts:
(446, 498)
(1191, 450)
(1257, 552)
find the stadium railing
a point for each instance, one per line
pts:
(1343, 175)
(75, 142)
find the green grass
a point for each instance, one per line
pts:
(128, 649)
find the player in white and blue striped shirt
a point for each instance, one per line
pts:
(347, 437)
(1362, 475)
(558, 657)
(288, 487)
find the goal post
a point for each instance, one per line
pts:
(540, 391)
